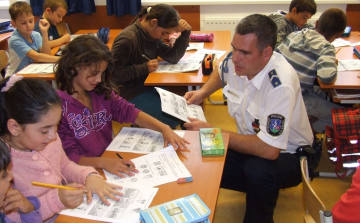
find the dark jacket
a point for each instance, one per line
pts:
(130, 68)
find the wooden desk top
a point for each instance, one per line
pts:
(206, 173)
(5, 36)
(222, 41)
(346, 79)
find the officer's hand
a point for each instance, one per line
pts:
(196, 124)
(194, 97)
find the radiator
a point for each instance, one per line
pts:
(229, 23)
(220, 23)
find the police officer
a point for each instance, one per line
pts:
(264, 97)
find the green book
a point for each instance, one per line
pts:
(211, 142)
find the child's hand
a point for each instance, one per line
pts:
(14, 200)
(183, 25)
(152, 65)
(65, 38)
(118, 166)
(97, 185)
(44, 25)
(171, 137)
(72, 198)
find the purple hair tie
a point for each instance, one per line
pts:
(12, 80)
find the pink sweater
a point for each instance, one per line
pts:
(46, 166)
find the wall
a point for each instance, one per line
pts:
(101, 19)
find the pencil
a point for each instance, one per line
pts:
(145, 57)
(338, 50)
(53, 186)
(128, 165)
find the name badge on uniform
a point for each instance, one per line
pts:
(232, 94)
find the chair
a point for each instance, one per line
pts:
(3, 59)
(314, 207)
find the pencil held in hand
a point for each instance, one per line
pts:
(53, 186)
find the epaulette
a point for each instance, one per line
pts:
(274, 79)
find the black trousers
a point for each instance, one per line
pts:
(261, 180)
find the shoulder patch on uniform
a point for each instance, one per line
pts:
(274, 78)
(275, 124)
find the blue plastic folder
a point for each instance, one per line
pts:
(190, 209)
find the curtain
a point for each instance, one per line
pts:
(122, 7)
(75, 6)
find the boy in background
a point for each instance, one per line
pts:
(25, 45)
(54, 11)
(300, 11)
(311, 54)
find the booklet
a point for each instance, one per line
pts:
(155, 169)
(176, 106)
(189, 209)
(126, 210)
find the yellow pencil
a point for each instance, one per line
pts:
(53, 186)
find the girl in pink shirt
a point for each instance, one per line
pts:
(30, 112)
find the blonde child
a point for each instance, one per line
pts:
(25, 45)
(29, 115)
(53, 12)
(90, 104)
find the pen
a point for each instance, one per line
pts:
(145, 58)
(128, 165)
(54, 186)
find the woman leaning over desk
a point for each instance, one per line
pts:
(135, 51)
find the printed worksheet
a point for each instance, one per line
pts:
(155, 168)
(179, 67)
(199, 55)
(124, 211)
(340, 42)
(137, 140)
(38, 68)
(176, 106)
(348, 65)
(195, 46)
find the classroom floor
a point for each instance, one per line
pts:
(231, 204)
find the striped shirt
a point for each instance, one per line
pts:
(311, 55)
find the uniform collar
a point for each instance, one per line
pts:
(259, 78)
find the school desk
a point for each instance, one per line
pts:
(345, 79)
(4, 40)
(206, 173)
(222, 41)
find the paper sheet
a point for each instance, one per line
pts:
(181, 66)
(137, 140)
(38, 68)
(176, 106)
(124, 211)
(199, 55)
(195, 46)
(340, 42)
(155, 168)
(348, 65)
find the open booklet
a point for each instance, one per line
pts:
(155, 169)
(176, 106)
(124, 211)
